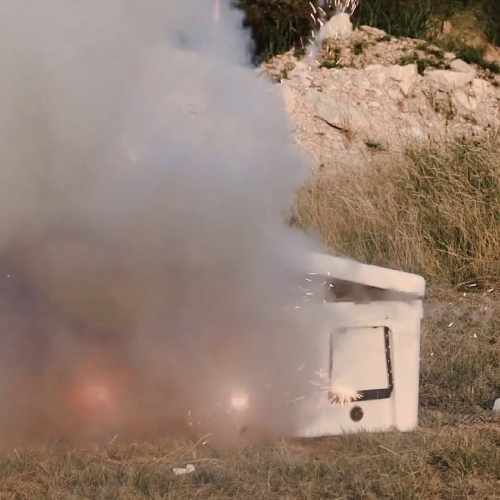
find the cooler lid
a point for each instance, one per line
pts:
(368, 275)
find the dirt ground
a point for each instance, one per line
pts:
(454, 454)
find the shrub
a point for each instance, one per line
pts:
(409, 18)
(489, 17)
(472, 54)
(276, 25)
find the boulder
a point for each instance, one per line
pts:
(376, 74)
(461, 66)
(464, 101)
(402, 73)
(338, 27)
(338, 114)
(405, 75)
(406, 86)
(448, 80)
(481, 87)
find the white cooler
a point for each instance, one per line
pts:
(371, 346)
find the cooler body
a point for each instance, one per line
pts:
(372, 348)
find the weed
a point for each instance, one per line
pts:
(491, 66)
(422, 63)
(437, 53)
(444, 106)
(472, 54)
(471, 119)
(299, 52)
(331, 64)
(358, 48)
(374, 145)
(332, 59)
(429, 49)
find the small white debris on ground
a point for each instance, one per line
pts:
(184, 470)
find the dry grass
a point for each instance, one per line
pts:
(439, 213)
(434, 210)
(455, 453)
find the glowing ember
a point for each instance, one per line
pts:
(99, 384)
(239, 402)
(97, 394)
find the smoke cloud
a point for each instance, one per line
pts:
(147, 275)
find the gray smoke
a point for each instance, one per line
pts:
(143, 252)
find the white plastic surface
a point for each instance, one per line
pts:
(355, 337)
(364, 274)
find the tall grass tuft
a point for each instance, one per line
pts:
(435, 210)
(409, 18)
(489, 17)
(279, 25)
(276, 25)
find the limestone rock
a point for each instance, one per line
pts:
(447, 80)
(461, 66)
(406, 86)
(481, 87)
(462, 100)
(300, 73)
(376, 74)
(374, 67)
(338, 27)
(403, 73)
(394, 94)
(339, 114)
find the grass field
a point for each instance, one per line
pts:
(455, 453)
(441, 218)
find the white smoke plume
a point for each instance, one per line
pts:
(147, 273)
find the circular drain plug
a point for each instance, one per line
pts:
(356, 414)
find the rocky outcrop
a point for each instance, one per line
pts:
(370, 94)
